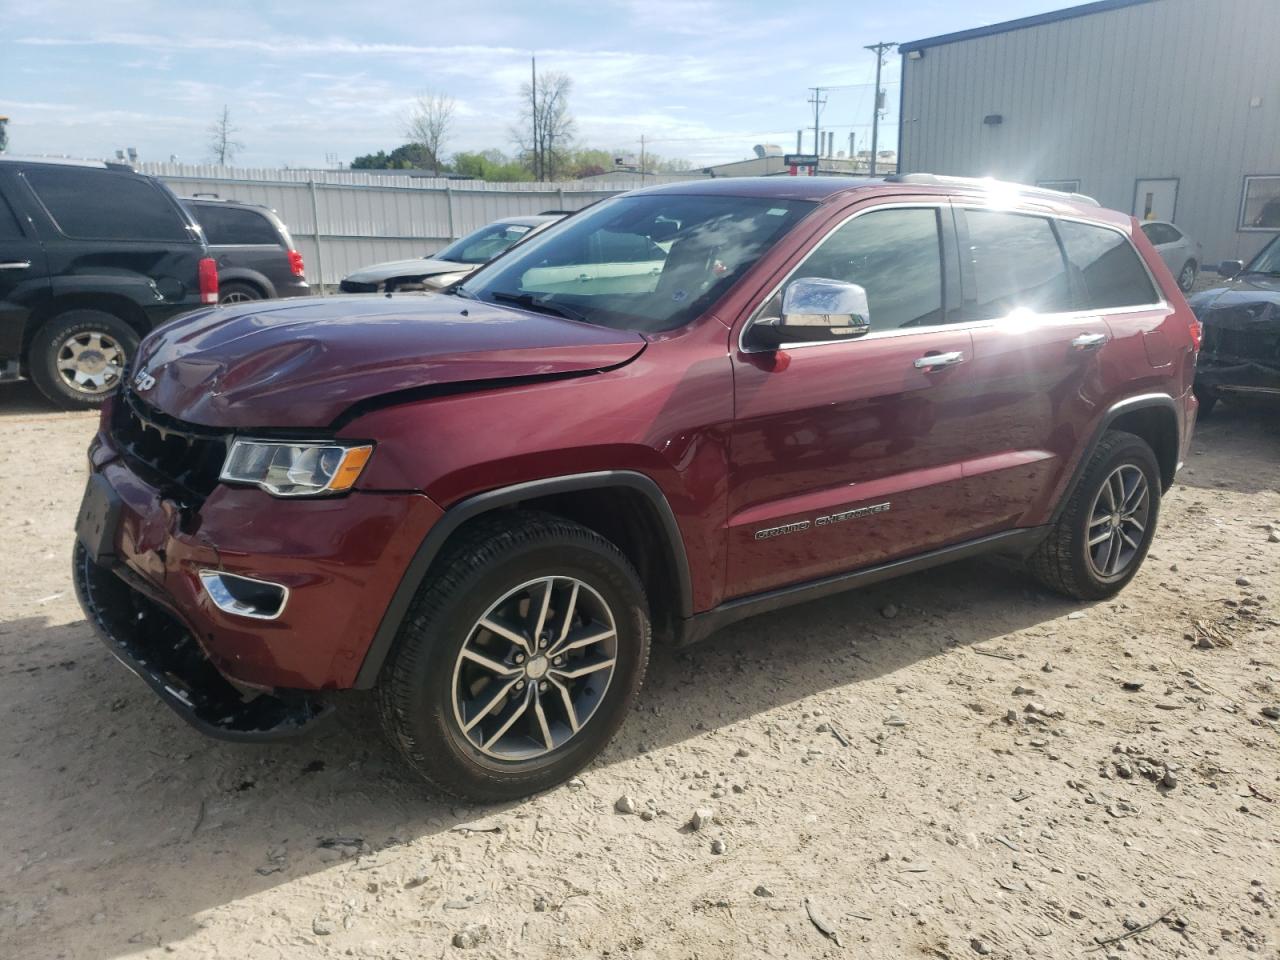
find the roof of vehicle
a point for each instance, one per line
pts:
(1054, 16)
(823, 188)
(67, 162)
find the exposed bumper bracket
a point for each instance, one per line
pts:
(159, 649)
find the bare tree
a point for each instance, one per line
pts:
(223, 146)
(429, 124)
(546, 127)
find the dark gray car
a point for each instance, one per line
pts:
(257, 259)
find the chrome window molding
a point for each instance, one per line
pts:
(963, 203)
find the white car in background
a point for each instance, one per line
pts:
(1179, 252)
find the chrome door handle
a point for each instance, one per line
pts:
(937, 360)
(1089, 341)
(15, 265)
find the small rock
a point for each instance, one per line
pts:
(1204, 643)
(718, 847)
(701, 818)
(742, 752)
(979, 947)
(1271, 713)
(1011, 716)
(1021, 691)
(1124, 770)
(1131, 685)
(1033, 707)
(1047, 668)
(647, 816)
(471, 936)
(1077, 615)
(626, 804)
(1273, 537)
(1169, 781)
(540, 905)
(895, 722)
(1075, 914)
(1243, 582)
(762, 891)
(321, 927)
(889, 611)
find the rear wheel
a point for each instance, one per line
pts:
(1187, 278)
(1099, 542)
(79, 357)
(519, 659)
(236, 292)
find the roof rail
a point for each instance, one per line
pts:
(67, 162)
(987, 183)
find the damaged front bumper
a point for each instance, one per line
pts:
(155, 645)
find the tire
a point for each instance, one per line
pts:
(430, 692)
(237, 292)
(77, 381)
(1064, 561)
(1207, 402)
(1187, 277)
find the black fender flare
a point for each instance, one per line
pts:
(1145, 401)
(458, 514)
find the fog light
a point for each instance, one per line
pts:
(244, 596)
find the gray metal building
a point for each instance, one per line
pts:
(1168, 109)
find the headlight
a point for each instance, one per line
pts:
(295, 469)
(442, 280)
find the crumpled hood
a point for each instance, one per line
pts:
(301, 363)
(408, 268)
(1248, 294)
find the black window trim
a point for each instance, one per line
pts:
(1159, 303)
(239, 208)
(948, 252)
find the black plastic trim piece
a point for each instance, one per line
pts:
(1141, 402)
(481, 503)
(1019, 542)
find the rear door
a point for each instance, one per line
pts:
(847, 454)
(24, 275)
(1040, 290)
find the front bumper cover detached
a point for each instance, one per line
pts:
(157, 647)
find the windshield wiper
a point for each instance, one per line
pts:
(530, 302)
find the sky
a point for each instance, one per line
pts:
(316, 84)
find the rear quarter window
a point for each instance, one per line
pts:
(230, 226)
(1107, 270)
(101, 205)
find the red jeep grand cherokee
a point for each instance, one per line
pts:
(679, 407)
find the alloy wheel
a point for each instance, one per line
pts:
(1118, 522)
(90, 362)
(235, 296)
(534, 669)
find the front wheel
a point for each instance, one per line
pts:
(1101, 538)
(519, 658)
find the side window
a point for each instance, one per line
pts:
(1107, 269)
(9, 229)
(232, 225)
(1017, 264)
(1160, 233)
(896, 255)
(98, 205)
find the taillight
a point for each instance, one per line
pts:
(1197, 333)
(208, 280)
(295, 263)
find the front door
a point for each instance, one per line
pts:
(1155, 199)
(844, 455)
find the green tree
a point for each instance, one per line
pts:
(409, 156)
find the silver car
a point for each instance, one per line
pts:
(1179, 252)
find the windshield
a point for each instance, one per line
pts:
(645, 263)
(485, 244)
(1268, 261)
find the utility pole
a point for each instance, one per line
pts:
(879, 49)
(818, 103)
(533, 114)
(642, 158)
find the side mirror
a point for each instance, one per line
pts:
(1230, 268)
(815, 309)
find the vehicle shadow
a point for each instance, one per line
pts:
(1239, 435)
(22, 397)
(118, 815)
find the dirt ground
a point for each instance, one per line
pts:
(965, 775)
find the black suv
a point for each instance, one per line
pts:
(257, 259)
(92, 256)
